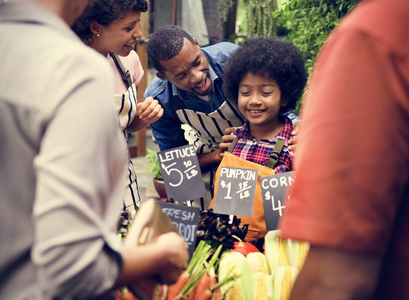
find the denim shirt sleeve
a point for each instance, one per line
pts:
(167, 130)
(289, 113)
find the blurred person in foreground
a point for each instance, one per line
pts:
(350, 198)
(63, 161)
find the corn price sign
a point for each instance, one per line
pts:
(274, 191)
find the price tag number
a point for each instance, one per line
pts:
(190, 169)
(189, 172)
(275, 206)
(244, 189)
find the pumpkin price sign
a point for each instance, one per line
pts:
(181, 172)
(236, 191)
(274, 190)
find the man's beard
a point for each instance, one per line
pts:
(211, 88)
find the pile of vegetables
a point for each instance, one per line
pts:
(218, 229)
(216, 234)
(225, 267)
(263, 277)
(199, 281)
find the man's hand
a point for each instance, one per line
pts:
(149, 110)
(227, 138)
(208, 161)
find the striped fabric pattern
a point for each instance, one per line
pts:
(210, 127)
(126, 107)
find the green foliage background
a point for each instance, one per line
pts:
(307, 23)
(153, 163)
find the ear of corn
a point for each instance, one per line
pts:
(300, 251)
(283, 280)
(257, 262)
(234, 263)
(285, 257)
(271, 250)
(258, 276)
(229, 267)
(275, 249)
(262, 284)
(284, 252)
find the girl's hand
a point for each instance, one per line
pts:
(149, 110)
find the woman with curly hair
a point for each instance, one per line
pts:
(111, 28)
(262, 77)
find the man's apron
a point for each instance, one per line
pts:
(125, 105)
(205, 132)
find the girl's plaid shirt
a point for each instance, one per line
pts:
(258, 151)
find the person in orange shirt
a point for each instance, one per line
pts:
(350, 198)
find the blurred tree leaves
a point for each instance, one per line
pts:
(307, 23)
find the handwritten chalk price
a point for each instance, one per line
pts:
(236, 191)
(226, 186)
(274, 190)
(269, 197)
(178, 178)
(180, 169)
(190, 169)
(244, 188)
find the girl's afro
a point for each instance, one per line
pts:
(278, 60)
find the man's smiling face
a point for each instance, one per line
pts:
(188, 70)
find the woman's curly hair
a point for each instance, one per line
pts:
(278, 60)
(106, 12)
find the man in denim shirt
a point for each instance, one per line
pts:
(188, 86)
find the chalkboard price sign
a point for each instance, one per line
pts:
(185, 218)
(181, 172)
(236, 191)
(274, 190)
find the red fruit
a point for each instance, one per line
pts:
(244, 247)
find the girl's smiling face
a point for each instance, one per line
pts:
(119, 37)
(259, 100)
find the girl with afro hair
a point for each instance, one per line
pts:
(261, 77)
